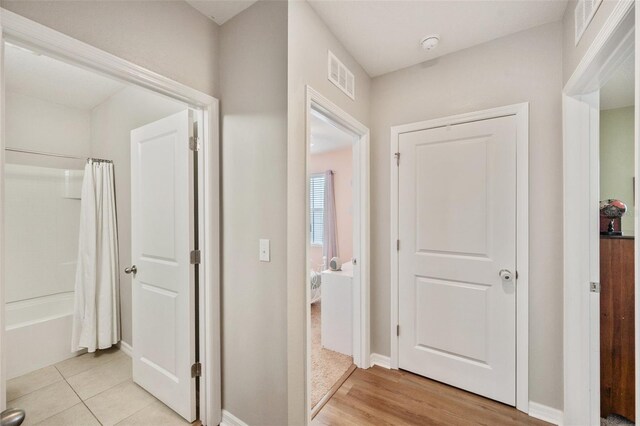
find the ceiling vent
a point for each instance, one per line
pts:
(585, 10)
(341, 76)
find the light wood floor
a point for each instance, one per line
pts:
(378, 396)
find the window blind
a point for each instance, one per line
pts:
(316, 203)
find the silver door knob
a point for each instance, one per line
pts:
(131, 270)
(505, 274)
(12, 417)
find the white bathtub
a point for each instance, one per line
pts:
(38, 332)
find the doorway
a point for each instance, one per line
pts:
(459, 206)
(617, 246)
(597, 127)
(69, 128)
(337, 248)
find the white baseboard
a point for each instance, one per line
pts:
(548, 414)
(229, 419)
(380, 361)
(126, 348)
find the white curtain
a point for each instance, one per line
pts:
(330, 227)
(96, 322)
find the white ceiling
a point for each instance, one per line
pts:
(618, 92)
(220, 11)
(384, 36)
(49, 79)
(327, 136)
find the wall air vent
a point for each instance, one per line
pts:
(341, 76)
(585, 10)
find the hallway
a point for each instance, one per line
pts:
(379, 396)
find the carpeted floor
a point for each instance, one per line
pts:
(615, 420)
(326, 366)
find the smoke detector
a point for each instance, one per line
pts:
(430, 42)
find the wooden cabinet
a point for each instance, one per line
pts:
(617, 364)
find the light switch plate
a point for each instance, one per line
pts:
(265, 251)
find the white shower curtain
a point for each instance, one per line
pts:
(96, 314)
(330, 227)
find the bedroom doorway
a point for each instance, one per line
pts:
(337, 249)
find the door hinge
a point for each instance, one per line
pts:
(398, 330)
(194, 143)
(196, 370)
(397, 155)
(195, 257)
(398, 245)
(594, 287)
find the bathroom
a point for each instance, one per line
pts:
(63, 120)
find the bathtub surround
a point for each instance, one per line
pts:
(96, 321)
(38, 333)
(40, 223)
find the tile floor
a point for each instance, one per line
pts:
(92, 389)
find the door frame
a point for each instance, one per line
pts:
(581, 136)
(361, 302)
(521, 112)
(30, 34)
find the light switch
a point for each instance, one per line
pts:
(265, 252)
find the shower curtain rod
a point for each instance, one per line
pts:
(50, 154)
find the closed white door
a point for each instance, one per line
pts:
(161, 239)
(457, 230)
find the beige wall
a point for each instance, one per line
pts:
(341, 162)
(253, 81)
(264, 153)
(616, 160)
(309, 40)
(524, 67)
(111, 125)
(572, 53)
(168, 37)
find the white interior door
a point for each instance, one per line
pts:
(457, 230)
(163, 286)
(356, 282)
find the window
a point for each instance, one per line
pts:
(316, 203)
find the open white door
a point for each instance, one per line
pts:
(356, 211)
(457, 255)
(163, 280)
